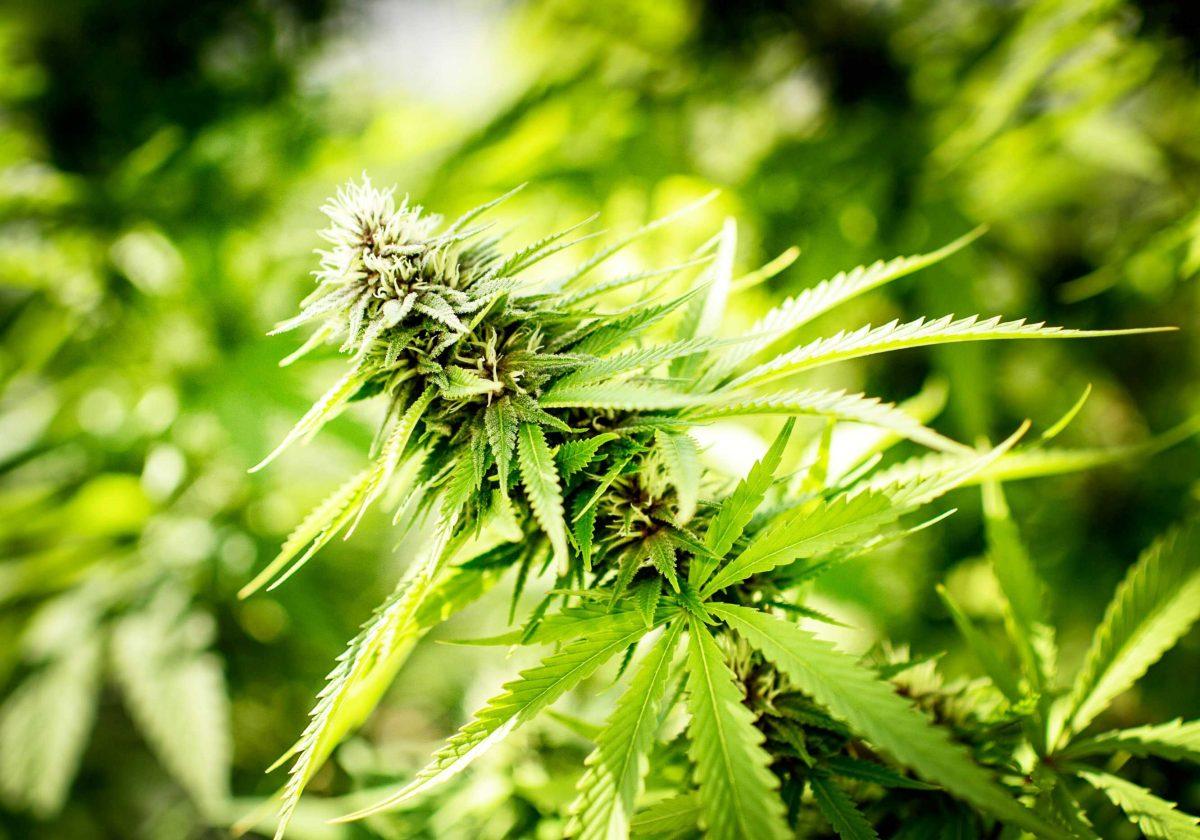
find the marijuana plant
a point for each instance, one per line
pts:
(546, 433)
(1046, 729)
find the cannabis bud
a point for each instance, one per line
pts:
(388, 267)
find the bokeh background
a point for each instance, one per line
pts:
(161, 169)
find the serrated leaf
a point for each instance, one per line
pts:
(363, 672)
(533, 690)
(623, 396)
(738, 509)
(646, 597)
(614, 471)
(1071, 814)
(1025, 613)
(807, 531)
(542, 488)
(672, 819)
(609, 250)
(937, 475)
(628, 564)
(872, 708)
(320, 526)
(584, 528)
(605, 286)
(682, 458)
(322, 411)
(1156, 603)
(660, 548)
(439, 310)
(840, 810)
(837, 405)
(892, 336)
(1042, 461)
(44, 727)
(316, 305)
(569, 623)
(999, 671)
(641, 358)
(607, 332)
(823, 525)
(500, 423)
(175, 692)
(1014, 570)
(390, 456)
(575, 455)
(616, 770)
(738, 793)
(869, 771)
(704, 314)
(322, 334)
(463, 384)
(1157, 818)
(1175, 740)
(529, 410)
(544, 362)
(535, 252)
(811, 303)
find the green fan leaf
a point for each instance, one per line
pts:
(807, 531)
(622, 243)
(175, 692)
(811, 303)
(1071, 814)
(608, 332)
(343, 507)
(738, 509)
(682, 458)
(823, 525)
(616, 770)
(1042, 461)
(463, 384)
(1157, 603)
(542, 488)
(1175, 741)
(642, 358)
(531, 692)
(854, 694)
(660, 548)
(869, 771)
(575, 455)
(603, 287)
(363, 672)
(836, 405)
(320, 526)
(868, 341)
(999, 671)
(704, 314)
(840, 810)
(1157, 818)
(1025, 598)
(738, 793)
(672, 819)
(44, 727)
(646, 597)
(623, 396)
(535, 252)
(323, 410)
(500, 423)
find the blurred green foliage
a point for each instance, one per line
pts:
(160, 169)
